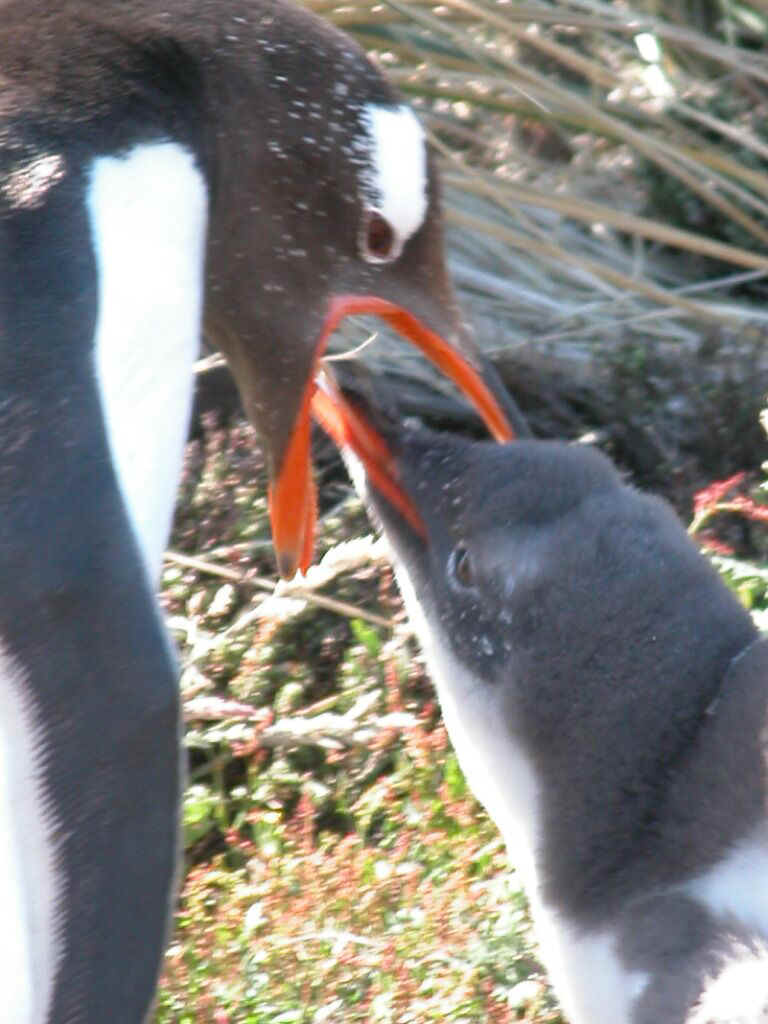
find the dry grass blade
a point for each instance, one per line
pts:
(303, 590)
(599, 213)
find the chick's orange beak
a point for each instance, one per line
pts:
(292, 495)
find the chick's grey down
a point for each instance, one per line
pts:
(606, 695)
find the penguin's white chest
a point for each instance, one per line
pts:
(496, 768)
(591, 982)
(148, 213)
(737, 887)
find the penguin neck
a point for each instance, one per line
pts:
(499, 772)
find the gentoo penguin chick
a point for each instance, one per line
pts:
(606, 696)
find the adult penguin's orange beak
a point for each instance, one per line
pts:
(292, 497)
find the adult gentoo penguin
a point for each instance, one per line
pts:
(161, 163)
(607, 697)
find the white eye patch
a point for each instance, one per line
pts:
(395, 185)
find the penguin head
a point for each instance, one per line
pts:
(329, 206)
(322, 195)
(576, 637)
(504, 546)
(550, 581)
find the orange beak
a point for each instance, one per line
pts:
(292, 496)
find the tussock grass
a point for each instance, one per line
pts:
(605, 167)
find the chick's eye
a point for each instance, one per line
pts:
(378, 242)
(461, 566)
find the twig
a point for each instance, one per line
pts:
(352, 353)
(329, 729)
(201, 565)
(342, 607)
(211, 362)
(299, 591)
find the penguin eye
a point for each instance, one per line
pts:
(378, 243)
(460, 566)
